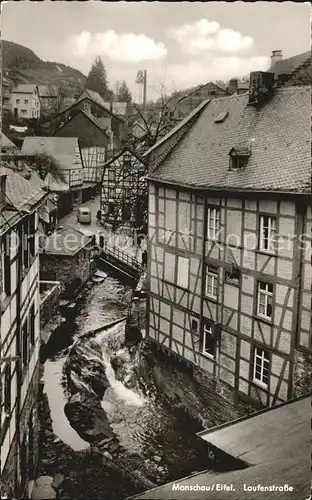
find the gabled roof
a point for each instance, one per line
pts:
(6, 143)
(175, 129)
(279, 135)
(25, 88)
(91, 118)
(94, 96)
(63, 149)
(124, 150)
(120, 108)
(289, 65)
(48, 91)
(88, 94)
(65, 241)
(273, 443)
(21, 195)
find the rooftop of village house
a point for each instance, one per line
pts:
(276, 452)
(66, 241)
(278, 134)
(18, 196)
(63, 149)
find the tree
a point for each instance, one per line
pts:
(45, 164)
(122, 91)
(97, 78)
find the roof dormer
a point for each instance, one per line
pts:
(239, 158)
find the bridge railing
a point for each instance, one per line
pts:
(122, 256)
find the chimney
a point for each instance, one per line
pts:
(261, 87)
(277, 55)
(232, 86)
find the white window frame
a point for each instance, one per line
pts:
(183, 283)
(208, 329)
(267, 233)
(213, 222)
(213, 275)
(263, 296)
(261, 363)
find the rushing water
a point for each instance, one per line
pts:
(146, 425)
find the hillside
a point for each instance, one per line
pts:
(22, 65)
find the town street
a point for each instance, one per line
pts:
(95, 228)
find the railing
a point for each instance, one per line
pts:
(122, 257)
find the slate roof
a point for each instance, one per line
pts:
(24, 88)
(289, 65)
(21, 195)
(279, 135)
(65, 241)
(275, 445)
(61, 148)
(6, 143)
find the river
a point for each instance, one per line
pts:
(153, 436)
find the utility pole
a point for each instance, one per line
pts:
(144, 89)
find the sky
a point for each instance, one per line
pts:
(180, 44)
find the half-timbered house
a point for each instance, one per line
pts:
(20, 335)
(124, 190)
(95, 142)
(230, 241)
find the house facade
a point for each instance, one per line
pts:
(230, 242)
(25, 101)
(20, 333)
(124, 190)
(94, 142)
(65, 258)
(6, 96)
(187, 103)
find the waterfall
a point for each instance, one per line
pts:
(129, 396)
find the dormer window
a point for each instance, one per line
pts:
(127, 159)
(239, 158)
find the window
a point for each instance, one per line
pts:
(31, 237)
(209, 341)
(213, 222)
(7, 388)
(25, 101)
(239, 157)
(183, 272)
(23, 111)
(25, 341)
(25, 244)
(32, 325)
(7, 264)
(264, 300)
(212, 282)
(111, 175)
(18, 101)
(267, 233)
(233, 276)
(261, 366)
(194, 325)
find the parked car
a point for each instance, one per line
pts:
(84, 215)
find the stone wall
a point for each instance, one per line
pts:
(67, 269)
(205, 398)
(302, 373)
(50, 302)
(8, 478)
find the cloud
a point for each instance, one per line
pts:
(208, 36)
(124, 47)
(216, 68)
